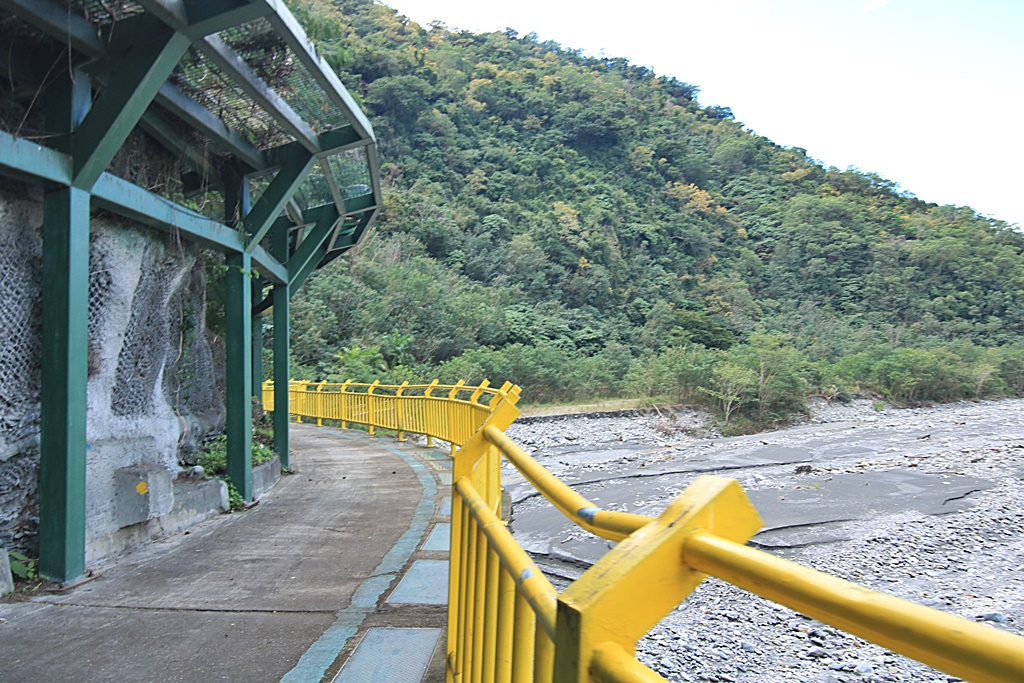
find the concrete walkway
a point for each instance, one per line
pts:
(282, 592)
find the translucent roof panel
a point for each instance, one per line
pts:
(351, 171)
(266, 52)
(314, 191)
(201, 80)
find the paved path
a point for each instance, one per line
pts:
(281, 592)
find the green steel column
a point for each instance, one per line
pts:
(65, 350)
(238, 371)
(257, 342)
(244, 208)
(282, 350)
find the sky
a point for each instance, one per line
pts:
(929, 94)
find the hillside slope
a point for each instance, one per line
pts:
(584, 225)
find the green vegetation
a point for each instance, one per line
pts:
(586, 228)
(22, 566)
(214, 458)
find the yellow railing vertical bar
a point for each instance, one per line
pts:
(456, 581)
(344, 404)
(452, 406)
(320, 403)
(300, 405)
(431, 426)
(469, 604)
(369, 406)
(400, 411)
(491, 616)
(543, 657)
(506, 625)
(479, 604)
(522, 637)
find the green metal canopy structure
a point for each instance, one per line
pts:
(263, 131)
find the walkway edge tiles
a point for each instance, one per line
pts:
(314, 663)
(425, 583)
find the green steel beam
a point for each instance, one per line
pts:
(238, 371)
(198, 18)
(276, 197)
(300, 278)
(131, 201)
(279, 239)
(211, 16)
(25, 160)
(330, 142)
(122, 103)
(360, 204)
(65, 352)
(311, 243)
(171, 12)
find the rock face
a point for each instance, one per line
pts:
(855, 492)
(153, 383)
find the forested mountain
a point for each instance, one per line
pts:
(584, 226)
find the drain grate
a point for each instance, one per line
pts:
(390, 655)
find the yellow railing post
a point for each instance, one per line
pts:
(430, 414)
(371, 417)
(452, 414)
(400, 410)
(320, 404)
(467, 466)
(475, 398)
(303, 399)
(268, 395)
(344, 403)
(643, 578)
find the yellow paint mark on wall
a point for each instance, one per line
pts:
(142, 488)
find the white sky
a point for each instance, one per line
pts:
(929, 94)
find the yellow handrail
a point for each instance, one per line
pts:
(506, 622)
(613, 526)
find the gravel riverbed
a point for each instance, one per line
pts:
(968, 561)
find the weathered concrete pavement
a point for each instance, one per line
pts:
(283, 591)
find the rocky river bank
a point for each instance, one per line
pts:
(926, 504)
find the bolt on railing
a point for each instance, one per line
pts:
(506, 622)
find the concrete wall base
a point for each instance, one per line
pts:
(195, 501)
(265, 476)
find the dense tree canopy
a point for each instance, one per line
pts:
(583, 225)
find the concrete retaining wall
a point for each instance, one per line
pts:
(153, 381)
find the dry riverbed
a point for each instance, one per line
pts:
(926, 504)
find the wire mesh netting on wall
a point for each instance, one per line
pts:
(149, 348)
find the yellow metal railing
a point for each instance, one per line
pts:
(449, 412)
(506, 622)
